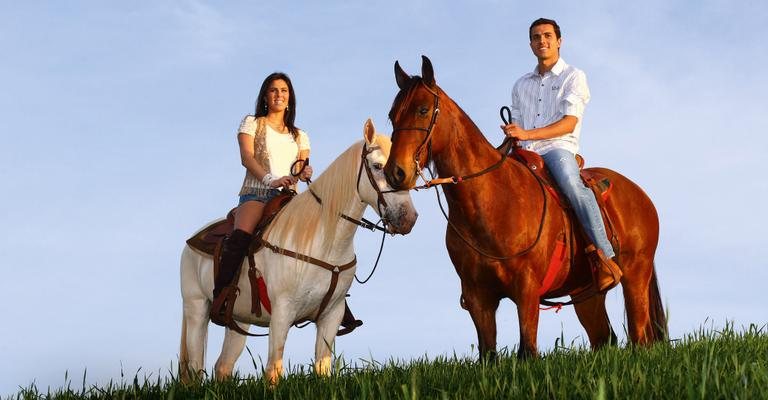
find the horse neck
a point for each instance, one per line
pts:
(346, 230)
(464, 149)
(315, 227)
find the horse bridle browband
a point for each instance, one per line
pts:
(427, 142)
(380, 200)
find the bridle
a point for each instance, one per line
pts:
(380, 201)
(427, 142)
(434, 182)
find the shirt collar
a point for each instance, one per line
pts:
(557, 69)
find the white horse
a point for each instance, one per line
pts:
(296, 288)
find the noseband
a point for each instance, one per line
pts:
(380, 201)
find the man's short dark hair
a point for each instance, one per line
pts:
(544, 21)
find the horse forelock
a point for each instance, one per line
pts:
(299, 223)
(384, 143)
(403, 97)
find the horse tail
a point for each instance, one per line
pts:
(657, 315)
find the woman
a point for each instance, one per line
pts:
(269, 143)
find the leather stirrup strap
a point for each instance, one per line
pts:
(223, 316)
(217, 258)
(223, 305)
(610, 231)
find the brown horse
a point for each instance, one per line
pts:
(503, 228)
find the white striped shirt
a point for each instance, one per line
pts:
(539, 101)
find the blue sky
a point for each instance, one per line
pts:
(118, 141)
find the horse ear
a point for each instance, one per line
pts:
(369, 132)
(400, 76)
(427, 73)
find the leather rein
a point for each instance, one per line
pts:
(337, 269)
(506, 145)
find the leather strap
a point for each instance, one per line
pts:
(335, 270)
(253, 275)
(555, 265)
(217, 258)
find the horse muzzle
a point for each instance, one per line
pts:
(401, 219)
(399, 178)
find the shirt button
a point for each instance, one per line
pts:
(539, 99)
(538, 115)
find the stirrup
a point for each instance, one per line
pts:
(348, 327)
(603, 265)
(348, 321)
(223, 305)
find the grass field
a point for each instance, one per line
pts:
(708, 364)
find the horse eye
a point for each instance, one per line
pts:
(423, 111)
(378, 166)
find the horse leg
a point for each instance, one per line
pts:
(637, 273)
(279, 324)
(482, 308)
(194, 335)
(233, 346)
(327, 327)
(594, 319)
(528, 320)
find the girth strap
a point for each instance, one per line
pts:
(335, 270)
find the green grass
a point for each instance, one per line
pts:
(707, 364)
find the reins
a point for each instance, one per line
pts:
(506, 145)
(486, 254)
(362, 222)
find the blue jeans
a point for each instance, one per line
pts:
(564, 169)
(262, 198)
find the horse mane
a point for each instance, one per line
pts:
(303, 220)
(404, 97)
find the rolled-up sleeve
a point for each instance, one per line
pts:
(514, 108)
(575, 95)
(248, 126)
(303, 141)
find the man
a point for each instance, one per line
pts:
(547, 107)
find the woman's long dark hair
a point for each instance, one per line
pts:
(290, 114)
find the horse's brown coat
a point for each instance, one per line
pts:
(500, 213)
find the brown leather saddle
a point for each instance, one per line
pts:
(600, 185)
(209, 242)
(207, 239)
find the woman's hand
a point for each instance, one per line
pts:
(306, 173)
(284, 181)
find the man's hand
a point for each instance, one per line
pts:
(515, 131)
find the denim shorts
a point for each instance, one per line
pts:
(261, 197)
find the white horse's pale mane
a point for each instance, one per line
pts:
(301, 220)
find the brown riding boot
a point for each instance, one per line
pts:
(232, 252)
(606, 272)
